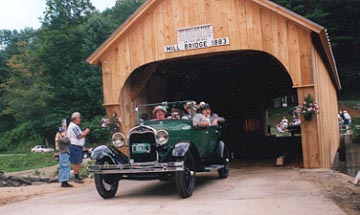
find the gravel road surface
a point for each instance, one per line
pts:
(253, 191)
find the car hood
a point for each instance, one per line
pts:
(170, 125)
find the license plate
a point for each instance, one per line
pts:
(141, 148)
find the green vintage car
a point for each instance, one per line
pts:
(160, 149)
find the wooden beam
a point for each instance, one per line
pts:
(304, 86)
(111, 104)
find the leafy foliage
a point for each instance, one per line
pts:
(44, 76)
(21, 138)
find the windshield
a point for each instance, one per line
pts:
(165, 111)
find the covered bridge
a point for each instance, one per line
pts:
(238, 55)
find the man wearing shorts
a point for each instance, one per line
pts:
(77, 139)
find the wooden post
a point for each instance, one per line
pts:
(309, 134)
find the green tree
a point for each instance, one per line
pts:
(311, 9)
(344, 29)
(44, 76)
(60, 12)
(61, 54)
(9, 47)
(26, 94)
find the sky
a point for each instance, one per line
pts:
(18, 14)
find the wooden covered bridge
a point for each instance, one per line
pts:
(238, 55)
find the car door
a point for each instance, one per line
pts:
(205, 139)
(37, 149)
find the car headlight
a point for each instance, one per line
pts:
(118, 139)
(162, 137)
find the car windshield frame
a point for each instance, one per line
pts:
(167, 105)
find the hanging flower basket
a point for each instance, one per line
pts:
(308, 116)
(308, 108)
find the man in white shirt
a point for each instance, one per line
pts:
(77, 139)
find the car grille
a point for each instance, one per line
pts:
(147, 137)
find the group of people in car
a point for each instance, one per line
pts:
(201, 114)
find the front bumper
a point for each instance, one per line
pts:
(137, 168)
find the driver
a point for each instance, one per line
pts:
(160, 113)
(213, 118)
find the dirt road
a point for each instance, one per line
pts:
(258, 191)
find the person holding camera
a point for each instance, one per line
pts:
(77, 139)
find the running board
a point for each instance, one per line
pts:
(213, 168)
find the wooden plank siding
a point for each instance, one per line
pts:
(326, 96)
(250, 25)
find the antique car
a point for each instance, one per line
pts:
(160, 149)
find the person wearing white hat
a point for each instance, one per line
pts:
(160, 113)
(77, 139)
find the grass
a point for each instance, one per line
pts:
(21, 162)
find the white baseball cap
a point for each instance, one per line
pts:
(75, 115)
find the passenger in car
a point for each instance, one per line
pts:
(187, 108)
(160, 113)
(213, 118)
(198, 119)
(175, 114)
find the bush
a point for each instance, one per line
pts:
(356, 121)
(20, 139)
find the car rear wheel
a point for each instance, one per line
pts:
(224, 172)
(185, 180)
(106, 185)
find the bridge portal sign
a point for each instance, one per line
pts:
(196, 37)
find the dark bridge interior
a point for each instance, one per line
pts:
(239, 86)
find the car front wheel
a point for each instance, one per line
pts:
(185, 180)
(106, 185)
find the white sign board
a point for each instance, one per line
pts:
(193, 35)
(197, 37)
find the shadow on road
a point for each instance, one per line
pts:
(163, 188)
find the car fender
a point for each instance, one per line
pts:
(181, 149)
(103, 151)
(221, 148)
